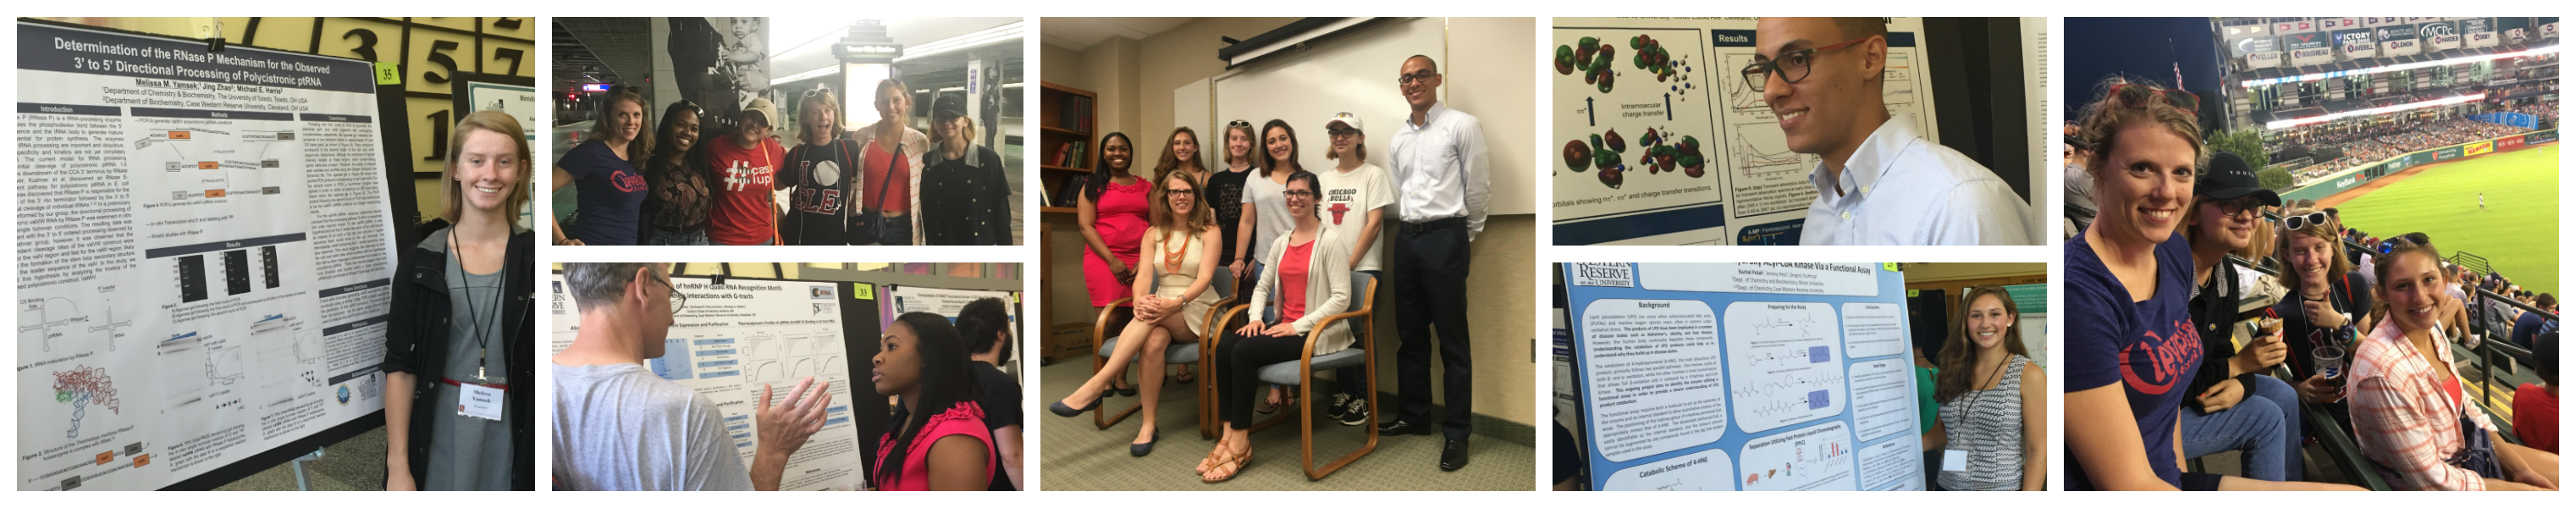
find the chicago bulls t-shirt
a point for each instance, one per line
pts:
(1347, 198)
(612, 194)
(2148, 347)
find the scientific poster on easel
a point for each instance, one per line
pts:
(1744, 376)
(733, 338)
(1662, 142)
(205, 255)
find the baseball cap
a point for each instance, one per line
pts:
(768, 112)
(948, 106)
(2230, 178)
(1346, 118)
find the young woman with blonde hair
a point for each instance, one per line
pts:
(466, 324)
(1171, 297)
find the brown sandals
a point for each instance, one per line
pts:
(1239, 462)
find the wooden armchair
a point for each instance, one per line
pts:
(1362, 313)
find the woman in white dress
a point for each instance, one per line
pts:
(1171, 303)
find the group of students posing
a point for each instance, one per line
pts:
(882, 184)
(2157, 377)
(1290, 238)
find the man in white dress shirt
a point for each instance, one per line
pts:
(1440, 171)
(1880, 182)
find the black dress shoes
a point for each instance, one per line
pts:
(1401, 427)
(1453, 455)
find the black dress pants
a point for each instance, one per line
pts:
(1239, 359)
(1430, 275)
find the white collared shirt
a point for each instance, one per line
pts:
(1899, 189)
(1440, 168)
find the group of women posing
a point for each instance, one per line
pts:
(2156, 377)
(1169, 247)
(882, 184)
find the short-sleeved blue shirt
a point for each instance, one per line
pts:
(612, 194)
(2150, 348)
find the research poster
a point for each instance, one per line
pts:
(205, 255)
(732, 339)
(1661, 141)
(1743, 376)
(944, 302)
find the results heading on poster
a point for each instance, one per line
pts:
(734, 338)
(205, 255)
(1743, 376)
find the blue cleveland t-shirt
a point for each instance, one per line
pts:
(612, 195)
(2150, 348)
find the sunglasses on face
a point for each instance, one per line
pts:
(1419, 75)
(1792, 66)
(2139, 96)
(2303, 221)
(2236, 206)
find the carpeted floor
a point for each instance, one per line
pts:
(1075, 454)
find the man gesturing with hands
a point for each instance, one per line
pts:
(617, 426)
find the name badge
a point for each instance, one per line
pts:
(479, 401)
(1954, 460)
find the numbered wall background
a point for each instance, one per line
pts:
(430, 50)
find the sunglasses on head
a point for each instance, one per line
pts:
(2135, 96)
(2303, 221)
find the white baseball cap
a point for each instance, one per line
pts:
(1346, 118)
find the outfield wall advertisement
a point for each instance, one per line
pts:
(2356, 176)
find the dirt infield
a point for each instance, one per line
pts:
(2374, 184)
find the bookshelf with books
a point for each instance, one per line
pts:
(1065, 134)
(1066, 138)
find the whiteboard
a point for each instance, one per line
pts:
(1355, 72)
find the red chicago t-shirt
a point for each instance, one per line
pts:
(743, 191)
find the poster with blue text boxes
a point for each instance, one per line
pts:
(1744, 376)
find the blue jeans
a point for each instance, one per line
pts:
(2265, 426)
(661, 237)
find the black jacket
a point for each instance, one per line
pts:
(416, 334)
(2214, 312)
(965, 202)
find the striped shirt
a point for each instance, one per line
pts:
(2407, 424)
(1986, 424)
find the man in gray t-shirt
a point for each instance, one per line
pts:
(619, 427)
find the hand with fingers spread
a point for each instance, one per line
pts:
(782, 428)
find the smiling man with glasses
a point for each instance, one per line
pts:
(1880, 182)
(1441, 169)
(618, 426)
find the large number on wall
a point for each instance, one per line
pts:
(431, 52)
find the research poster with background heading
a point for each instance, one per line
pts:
(732, 339)
(205, 255)
(1743, 376)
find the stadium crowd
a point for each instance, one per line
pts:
(2390, 140)
(2338, 357)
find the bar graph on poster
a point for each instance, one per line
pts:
(205, 259)
(1743, 376)
(731, 339)
(1664, 143)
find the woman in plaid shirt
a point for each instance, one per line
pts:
(2407, 405)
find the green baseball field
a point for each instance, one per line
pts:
(2517, 232)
